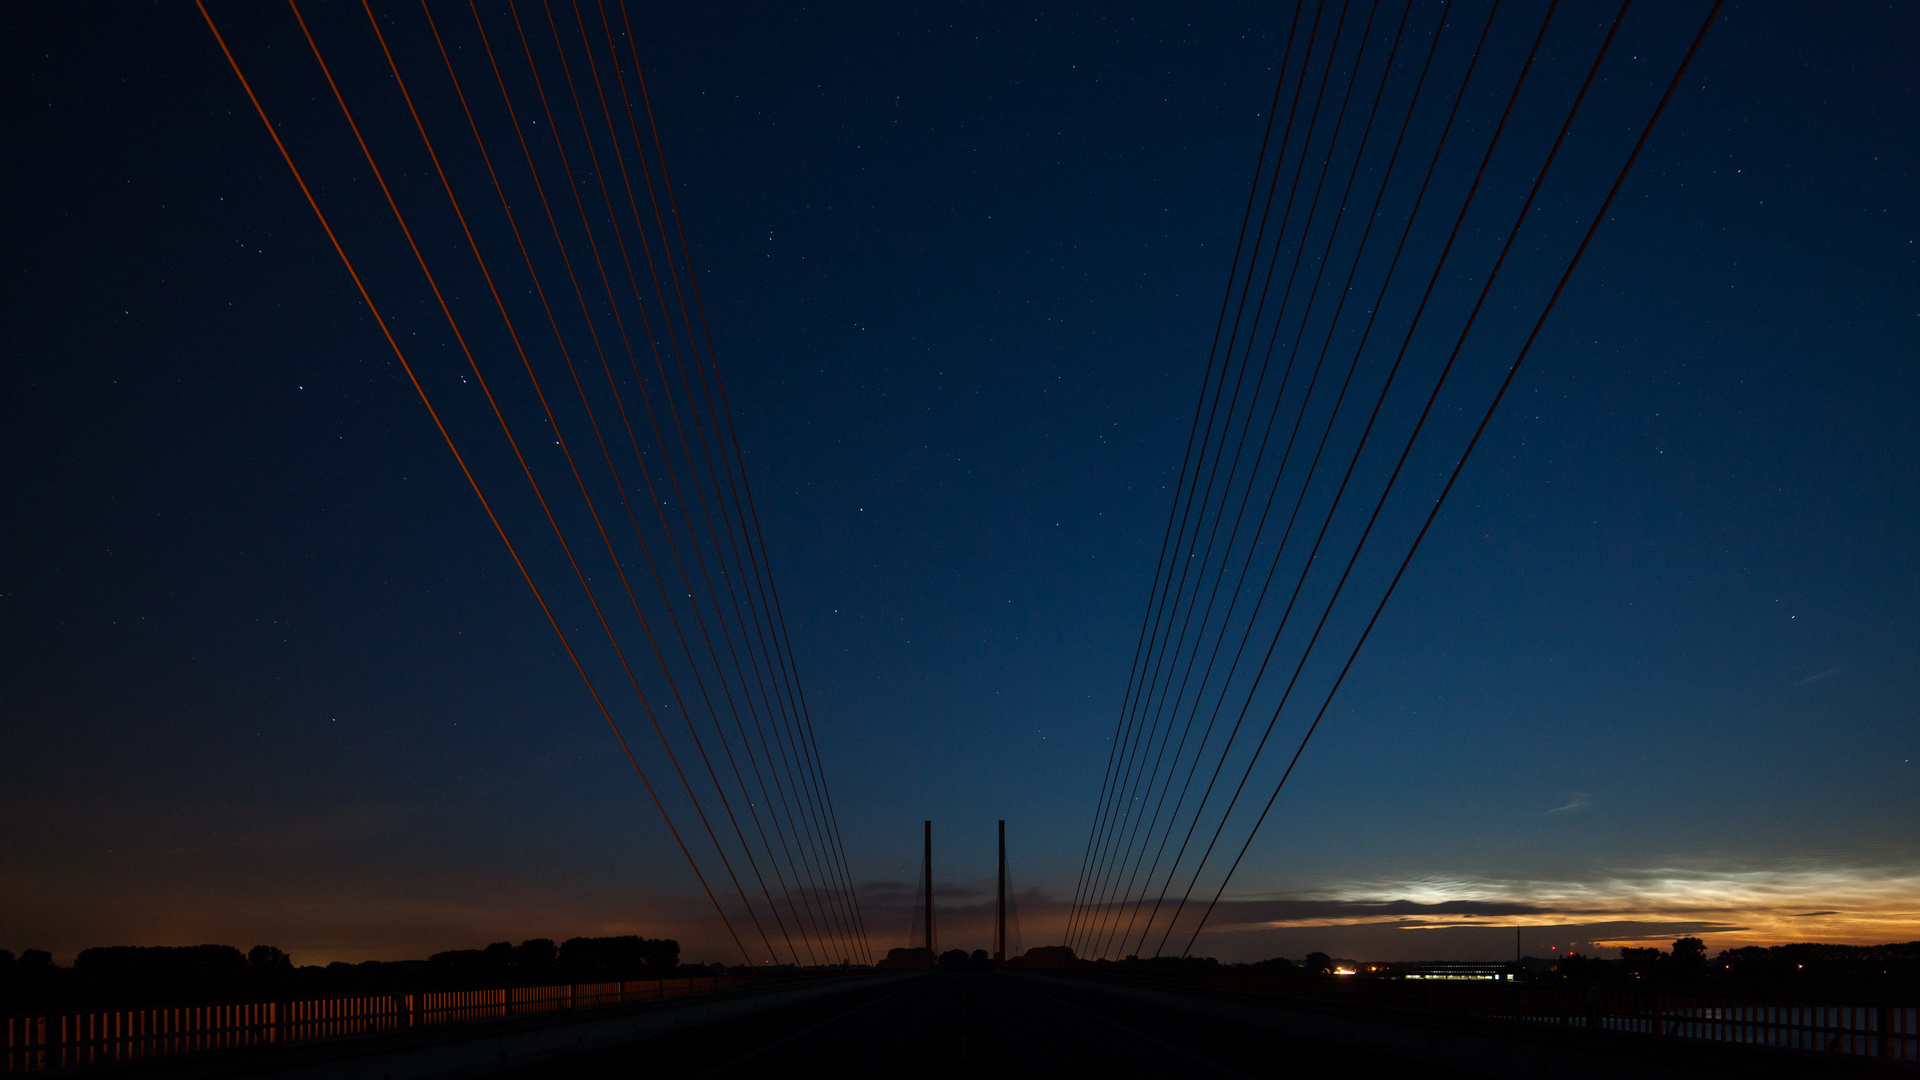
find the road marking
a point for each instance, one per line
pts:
(777, 1043)
(1136, 1033)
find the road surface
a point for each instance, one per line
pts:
(984, 1024)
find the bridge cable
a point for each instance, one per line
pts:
(1325, 261)
(560, 243)
(1500, 395)
(724, 409)
(612, 639)
(1123, 803)
(599, 263)
(1175, 694)
(1225, 302)
(1121, 753)
(1313, 467)
(586, 224)
(654, 274)
(1313, 381)
(742, 489)
(1118, 810)
(620, 486)
(1366, 433)
(813, 794)
(646, 251)
(1149, 774)
(467, 472)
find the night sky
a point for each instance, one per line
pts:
(267, 673)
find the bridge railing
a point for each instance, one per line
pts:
(1888, 1031)
(65, 1040)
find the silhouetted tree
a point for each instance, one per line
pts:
(1046, 956)
(162, 973)
(457, 963)
(913, 959)
(195, 962)
(1689, 959)
(625, 957)
(1317, 963)
(266, 958)
(1575, 968)
(534, 958)
(1644, 963)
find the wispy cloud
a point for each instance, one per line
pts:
(1862, 904)
(1827, 674)
(1576, 801)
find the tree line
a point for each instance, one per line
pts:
(131, 976)
(1809, 970)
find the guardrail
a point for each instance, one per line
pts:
(38, 1043)
(1887, 1031)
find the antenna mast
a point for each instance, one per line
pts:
(929, 871)
(1000, 925)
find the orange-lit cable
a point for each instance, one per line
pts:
(600, 524)
(579, 206)
(625, 257)
(560, 341)
(586, 221)
(560, 438)
(538, 493)
(533, 378)
(778, 659)
(601, 267)
(507, 431)
(464, 469)
(733, 435)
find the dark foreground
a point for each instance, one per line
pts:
(977, 1024)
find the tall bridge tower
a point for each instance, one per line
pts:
(1000, 909)
(928, 869)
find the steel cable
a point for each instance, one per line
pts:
(1325, 261)
(718, 408)
(1149, 774)
(1332, 325)
(467, 472)
(1479, 431)
(1156, 603)
(1339, 493)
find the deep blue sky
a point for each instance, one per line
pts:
(265, 672)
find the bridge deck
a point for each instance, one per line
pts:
(1007, 1025)
(979, 1024)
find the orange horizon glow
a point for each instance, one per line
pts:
(1727, 909)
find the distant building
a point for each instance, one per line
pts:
(1467, 970)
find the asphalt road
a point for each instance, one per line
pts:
(976, 1024)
